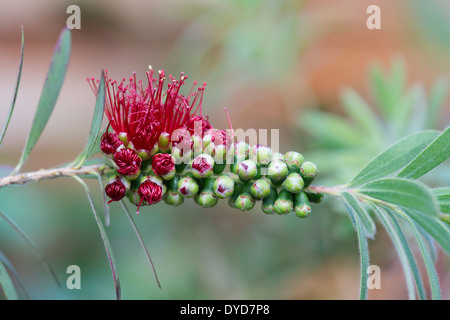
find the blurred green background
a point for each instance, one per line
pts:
(285, 65)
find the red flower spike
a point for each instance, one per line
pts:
(162, 164)
(128, 162)
(150, 192)
(115, 190)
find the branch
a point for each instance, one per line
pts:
(50, 174)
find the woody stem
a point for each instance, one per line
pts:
(23, 178)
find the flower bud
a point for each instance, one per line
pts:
(172, 196)
(235, 195)
(223, 186)
(302, 208)
(268, 203)
(260, 189)
(219, 168)
(245, 201)
(247, 170)
(309, 171)
(293, 160)
(261, 154)
(109, 143)
(116, 188)
(284, 203)
(277, 156)
(163, 165)
(241, 151)
(164, 141)
(293, 183)
(277, 171)
(202, 166)
(128, 163)
(150, 191)
(188, 186)
(206, 197)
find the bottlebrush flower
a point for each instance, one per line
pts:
(128, 163)
(109, 143)
(116, 188)
(151, 190)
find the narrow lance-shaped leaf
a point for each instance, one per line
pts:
(404, 253)
(435, 227)
(394, 158)
(7, 290)
(405, 193)
(363, 250)
(106, 243)
(366, 219)
(427, 258)
(443, 198)
(49, 95)
(16, 90)
(95, 125)
(141, 241)
(4, 259)
(437, 152)
(30, 242)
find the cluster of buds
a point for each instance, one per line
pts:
(159, 146)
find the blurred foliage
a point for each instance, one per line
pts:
(342, 145)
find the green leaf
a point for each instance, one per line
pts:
(14, 273)
(363, 250)
(330, 130)
(16, 90)
(427, 258)
(405, 193)
(360, 111)
(404, 253)
(141, 241)
(30, 242)
(7, 290)
(437, 152)
(50, 92)
(106, 243)
(96, 124)
(443, 198)
(435, 227)
(363, 214)
(394, 158)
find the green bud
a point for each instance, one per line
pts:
(277, 156)
(284, 203)
(241, 150)
(235, 195)
(247, 170)
(164, 141)
(182, 157)
(293, 160)
(223, 186)
(293, 183)
(261, 154)
(260, 189)
(302, 208)
(202, 166)
(206, 197)
(173, 198)
(277, 170)
(124, 138)
(245, 201)
(219, 167)
(314, 197)
(188, 186)
(234, 165)
(268, 203)
(197, 145)
(309, 171)
(134, 197)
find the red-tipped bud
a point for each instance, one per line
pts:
(163, 164)
(150, 192)
(109, 143)
(115, 190)
(128, 163)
